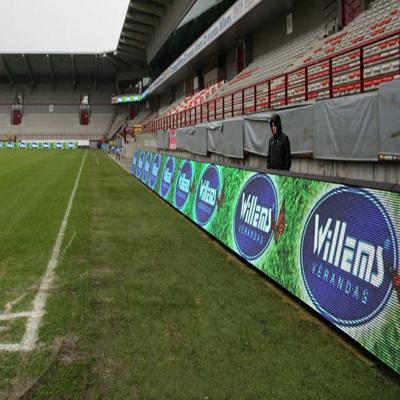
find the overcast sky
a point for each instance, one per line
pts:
(61, 26)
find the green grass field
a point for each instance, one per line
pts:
(144, 305)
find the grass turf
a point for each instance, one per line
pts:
(145, 306)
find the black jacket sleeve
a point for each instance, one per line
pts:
(288, 156)
(269, 155)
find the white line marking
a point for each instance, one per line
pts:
(11, 347)
(8, 307)
(32, 327)
(10, 316)
(69, 244)
(97, 160)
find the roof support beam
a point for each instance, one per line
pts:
(95, 70)
(164, 2)
(133, 50)
(133, 62)
(144, 19)
(146, 29)
(142, 37)
(74, 76)
(29, 69)
(8, 70)
(51, 67)
(128, 54)
(153, 9)
(134, 43)
(124, 64)
(116, 65)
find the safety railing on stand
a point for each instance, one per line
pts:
(358, 69)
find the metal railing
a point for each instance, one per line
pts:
(338, 74)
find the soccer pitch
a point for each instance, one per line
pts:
(130, 300)
(35, 208)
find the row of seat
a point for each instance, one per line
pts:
(62, 124)
(193, 100)
(376, 63)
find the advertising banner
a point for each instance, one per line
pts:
(39, 145)
(172, 139)
(333, 246)
(126, 99)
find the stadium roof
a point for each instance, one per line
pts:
(63, 51)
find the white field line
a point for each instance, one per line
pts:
(32, 327)
(8, 307)
(11, 347)
(97, 160)
(10, 316)
(68, 244)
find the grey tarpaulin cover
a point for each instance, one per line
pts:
(233, 134)
(163, 140)
(347, 128)
(257, 133)
(196, 140)
(298, 124)
(181, 137)
(389, 117)
(215, 137)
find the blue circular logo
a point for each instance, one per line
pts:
(348, 255)
(167, 177)
(134, 161)
(59, 146)
(184, 182)
(70, 146)
(139, 169)
(256, 208)
(147, 165)
(22, 145)
(46, 145)
(207, 195)
(155, 168)
(34, 145)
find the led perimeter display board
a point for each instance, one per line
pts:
(40, 145)
(126, 99)
(333, 246)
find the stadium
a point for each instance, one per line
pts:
(200, 199)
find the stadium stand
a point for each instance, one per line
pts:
(118, 123)
(40, 125)
(54, 112)
(248, 70)
(357, 59)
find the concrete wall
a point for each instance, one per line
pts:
(274, 34)
(230, 64)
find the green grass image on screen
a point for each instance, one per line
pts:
(143, 305)
(280, 261)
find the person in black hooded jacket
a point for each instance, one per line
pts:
(279, 156)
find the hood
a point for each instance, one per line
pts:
(277, 120)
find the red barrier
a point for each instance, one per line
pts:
(315, 80)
